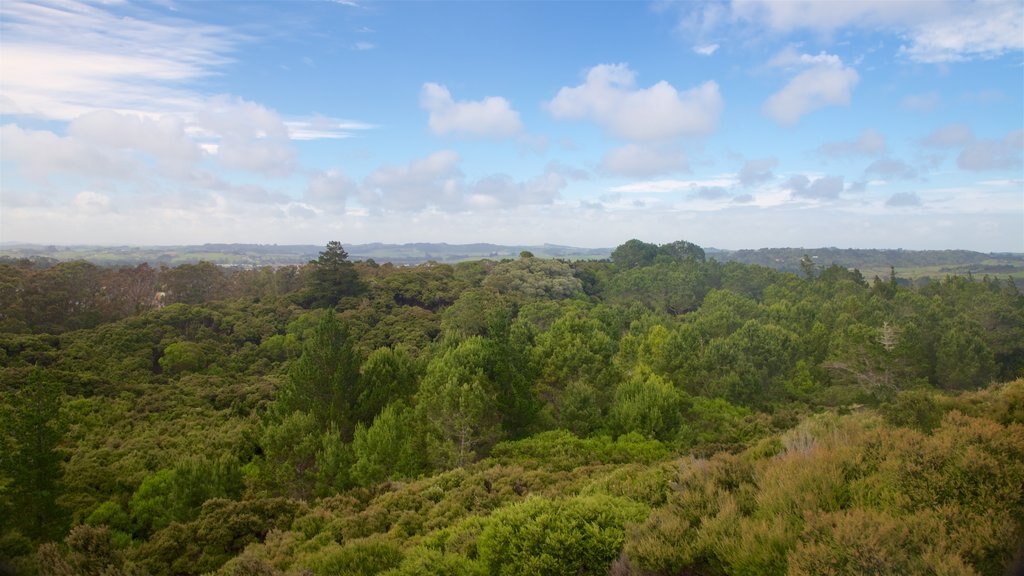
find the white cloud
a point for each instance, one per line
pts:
(706, 49)
(330, 189)
(824, 188)
(934, 31)
(435, 183)
(162, 138)
(432, 181)
(993, 154)
(252, 137)
(671, 186)
(891, 168)
(324, 128)
(973, 30)
(643, 161)
(64, 59)
(41, 155)
(492, 117)
(363, 46)
(826, 82)
(949, 136)
(824, 16)
(870, 143)
(501, 191)
(903, 200)
(609, 98)
(91, 202)
(757, 171)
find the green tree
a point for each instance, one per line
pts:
(181, 357)
(33, 428)
(963, 360)
(648, 404)
(634, 253)
(388, 375)
(458, 406)
(681, 251)
(390, 448)
(324, 381)
(332, 278)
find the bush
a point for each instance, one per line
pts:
(578, 536)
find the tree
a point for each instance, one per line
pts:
(681, 251)
(648, 404)
(389, 448)
(389, 374)
(324, 381)
(963, 360)
(457, 403)
(32, 431)
(332, 278)
(634, 253)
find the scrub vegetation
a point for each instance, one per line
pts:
(656, 413)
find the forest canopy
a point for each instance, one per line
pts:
(660, 412)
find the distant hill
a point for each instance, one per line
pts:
(280, 255)
(871, 262)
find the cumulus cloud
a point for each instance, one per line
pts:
(251, 136)
(869, 143)
(502, 191)
(492, 117)
(949, 136)
(436, 183)
(825, 81)
(993, 154)
(432, 181)
(163, 138)
(891, 168)
(824, 188)
(757, 171)
(903, 200)
(643, 160)
(711, 193)
(610, 98)
(40, 155)
(330, 189)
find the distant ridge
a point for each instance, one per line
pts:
(871, 262)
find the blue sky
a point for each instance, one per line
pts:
(732, 124)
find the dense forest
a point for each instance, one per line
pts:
(657, 413)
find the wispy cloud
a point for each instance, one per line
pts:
(65, 59)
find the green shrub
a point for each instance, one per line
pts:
(540, 537)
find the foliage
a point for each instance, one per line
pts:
(550, 537)
(661, 413)
(332, 278)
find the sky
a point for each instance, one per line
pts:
(732, 124)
